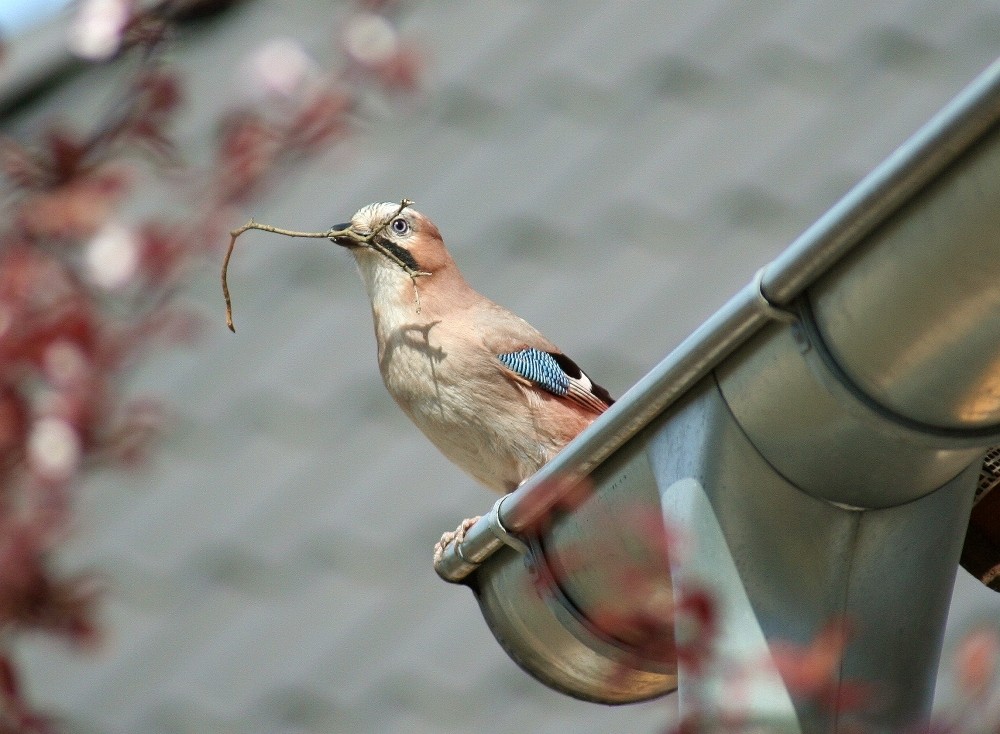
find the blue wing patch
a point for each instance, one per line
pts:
(539, 367)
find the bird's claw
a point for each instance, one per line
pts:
(455, 536)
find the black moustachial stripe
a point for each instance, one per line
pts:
(400, 252)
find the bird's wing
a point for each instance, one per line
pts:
(557, 374)
(529, 357)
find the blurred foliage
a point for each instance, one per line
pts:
(85, 293)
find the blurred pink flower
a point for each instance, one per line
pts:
(812, 671)
(99, 27)
(976, 661)
(370, 39)
(54, 449)
(112, 255)
(282, 67)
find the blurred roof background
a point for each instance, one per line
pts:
(612, 171)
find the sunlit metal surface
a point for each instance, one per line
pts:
(924, 290)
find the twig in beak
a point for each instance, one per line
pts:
(367, 240)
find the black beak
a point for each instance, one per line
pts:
(342, 241)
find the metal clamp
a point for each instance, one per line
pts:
(769, 309)
(500, 532)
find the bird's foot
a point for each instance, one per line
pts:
(453, 536)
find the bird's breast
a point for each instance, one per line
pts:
(412, 361)
(460, 396)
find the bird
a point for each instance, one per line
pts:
(496, 397)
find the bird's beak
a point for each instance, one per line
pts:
(343, 241)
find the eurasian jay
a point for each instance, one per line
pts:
(494, 395)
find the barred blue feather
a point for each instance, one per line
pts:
(539, 367)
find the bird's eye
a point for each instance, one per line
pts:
(400, 225)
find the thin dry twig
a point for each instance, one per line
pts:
(366, 240)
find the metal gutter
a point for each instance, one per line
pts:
(912, 167)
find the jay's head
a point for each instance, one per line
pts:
(404, 237)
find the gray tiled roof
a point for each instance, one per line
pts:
(612, 171)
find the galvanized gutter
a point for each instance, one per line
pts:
(921, 159)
